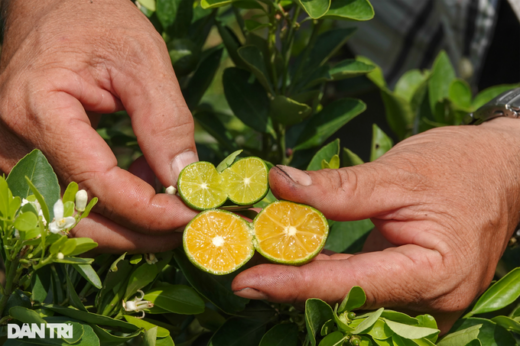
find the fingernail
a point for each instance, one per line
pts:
(299, 177)
(180, 161)
(250, 293)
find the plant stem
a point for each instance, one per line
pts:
(239, 19)
(10, 283)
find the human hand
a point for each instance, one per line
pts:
(63, 64)
(444, 204)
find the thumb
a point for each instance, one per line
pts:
(346, 194)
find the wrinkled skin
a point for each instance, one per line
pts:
(64, 63)
(444, 203)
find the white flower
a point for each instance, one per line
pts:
(150, 258)
(170, 190)
(81, 200)
(138, 304)
(36, 206)
(60, 256)
(60, 223)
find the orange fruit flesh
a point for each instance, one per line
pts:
(218, 241)
(289, 232)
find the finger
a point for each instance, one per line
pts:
(403, 277)
(160, 117)
(113, 238)
(141, 169)
(346, 194)
(79, 154)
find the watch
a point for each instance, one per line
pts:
(504, 105)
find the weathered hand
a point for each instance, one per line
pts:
(444, 204)
(64, 63)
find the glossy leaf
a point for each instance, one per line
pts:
(178, 299)
(228, 161)
(380, 330)
(248, 100)
(89, 207)
(252, 57)
(108, 339)
(140, 277)
(82, 245)
(205, 4)
(334, 339)
(317, 312)
(399, 113)
(328, 327)
(239, 332)
(315, 8)
(202, 78)
(166, 12)
(355, 299)
(376, 76)
(35, 167)
(287, 111)
(507, 323)
(332, 164)
(349, 68)
(26, 222)
(348, 236)
(73, 296)
(40, 284)
(150, 337)
(325, 153)
(149, 4)
(490, 334)
(360, 10)
(322, 125)
(350, 159)
(89, 274)
(285, 334)
(490, 93)
(231, 43)
(460, 94)
(369, 322)
(409, 83)
(70, 193)
(216, 289)
(41, 199)
(381, 143)
(439, 85)
(499, 295)
(141, 323)
(410, 332)
(397, 316)
(461, 337)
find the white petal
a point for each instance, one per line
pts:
(53, 227)
(24, 202)
(69, 222)
(58, 210)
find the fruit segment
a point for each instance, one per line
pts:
(290, 233)
(200, 186)
(246, 181)
(218, 242)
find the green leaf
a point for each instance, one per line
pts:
(202, 78)
(315, 8)
(333, 163)
(460, 94)
(350, 159)
(499, 295)
(107, 339)
(410, 332)
(228, 161)
(74, 260)
(360, 10)
(68, 209)
(178, 299)
(216, 289)
(36, 167)
(40, 284)
(247, 4)
(349, 68)
(397, 316)
(399, 113)
(149, 4)
(380, 330)
(82, 245)
(461, 337)
(140, 277)
(322, 125)
(56, 246)
(89, 207)
(317, 312)
(284, 334)
(248, 100)
(161, 332)
(89, 274)
(252, 25)
(376, 76)
(334, 339)
(328, 327)
(68, 247)
(490, 93)
(348, 236)
(287, 111)
(239, 332)
(355, 299)
(70, 193)
(409, 83)
(18, 298)
(381, 143)
(150, 337)
(490, 334)
(91, 318)
(41, 200)
(369, 322)
(205, 4)
(26, 222)
(73, 296)
(441, 77)
(113, 266)
(231, 43)
(252, 56)
(325, 153)
(507, 323)
(136, 259)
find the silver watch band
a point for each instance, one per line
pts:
(504, 105)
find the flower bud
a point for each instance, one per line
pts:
(60, 256)
(170, 190)
(150, 258)
(81, 200)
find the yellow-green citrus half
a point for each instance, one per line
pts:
(200, 186)
(245, 182)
